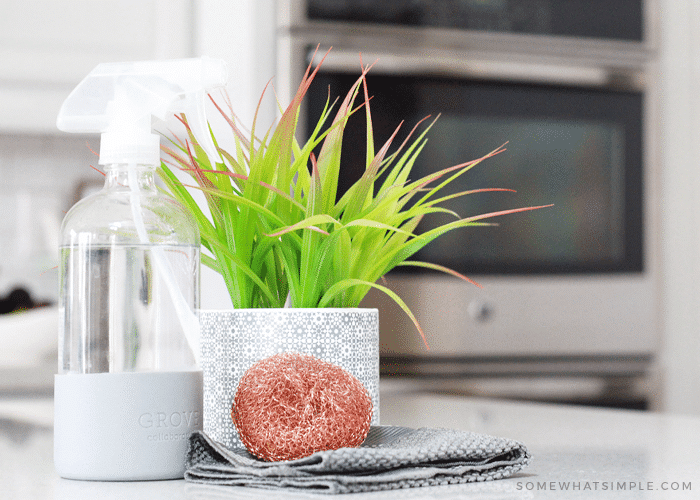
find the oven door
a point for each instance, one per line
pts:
(577, 147)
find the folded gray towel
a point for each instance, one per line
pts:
(390, 458)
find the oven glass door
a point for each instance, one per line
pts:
(578, 148)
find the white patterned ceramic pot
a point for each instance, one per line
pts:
(233, 340)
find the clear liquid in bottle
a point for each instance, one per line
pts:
(118, 314)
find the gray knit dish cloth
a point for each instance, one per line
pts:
(390, 458)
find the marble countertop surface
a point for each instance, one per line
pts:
(578, 453)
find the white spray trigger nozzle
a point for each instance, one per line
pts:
(119, 100)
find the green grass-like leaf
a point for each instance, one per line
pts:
(275, 230)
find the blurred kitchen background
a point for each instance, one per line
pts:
(614, 337)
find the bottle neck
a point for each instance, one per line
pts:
(123, 176)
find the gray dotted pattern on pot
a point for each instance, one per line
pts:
(232, 341)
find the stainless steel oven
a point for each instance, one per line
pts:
(571, 290)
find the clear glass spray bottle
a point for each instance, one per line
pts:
(129, 388)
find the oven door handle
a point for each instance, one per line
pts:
(455, 65)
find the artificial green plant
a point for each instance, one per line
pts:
(277, 232)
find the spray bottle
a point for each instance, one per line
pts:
(129, 390)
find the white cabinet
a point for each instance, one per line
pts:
(48, 46)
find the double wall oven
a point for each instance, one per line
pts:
(569, 85)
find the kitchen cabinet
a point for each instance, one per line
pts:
(47, 47)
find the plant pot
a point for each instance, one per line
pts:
(233, 340)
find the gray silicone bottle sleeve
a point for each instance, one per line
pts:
(125, 426)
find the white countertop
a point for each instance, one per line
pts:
(578, 453)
